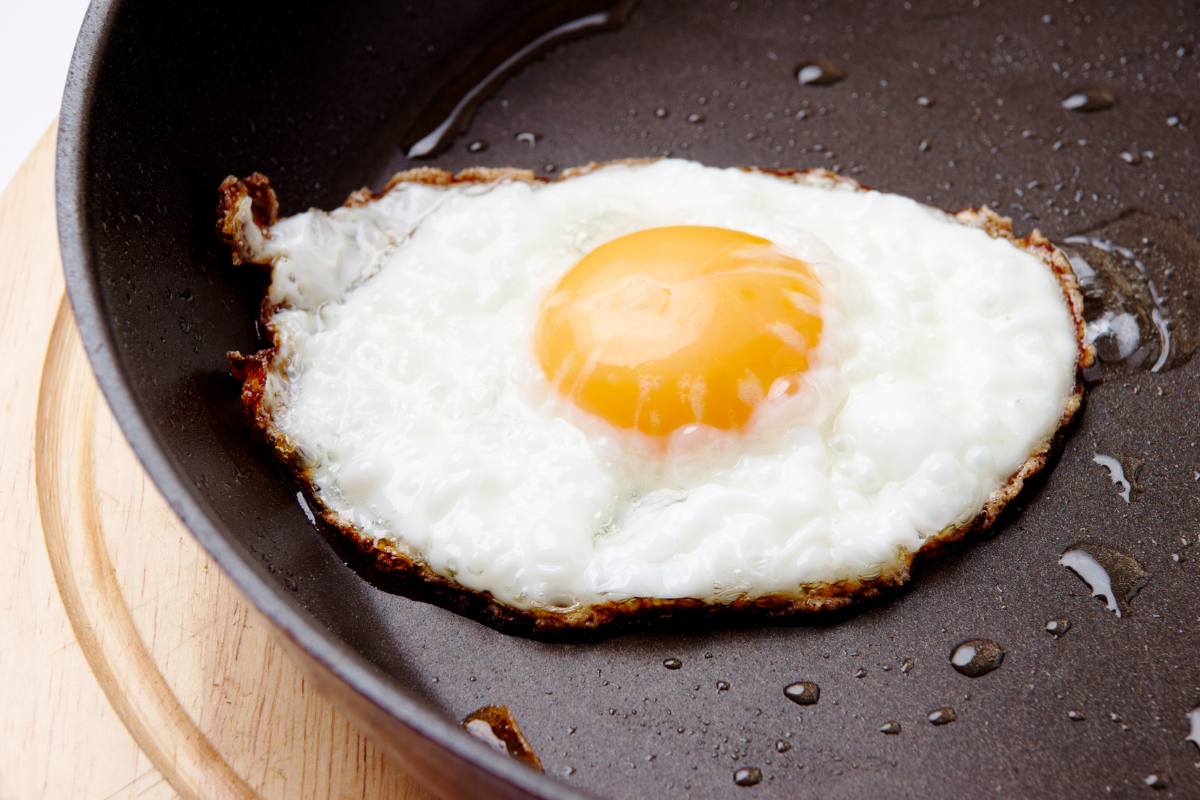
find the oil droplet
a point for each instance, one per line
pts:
(748, 776)
(1116, 474)
(782, 746)
(1130, 157)
(1194, 718)
(477, 146)
(1114, 576)
(1090, 100)
(305, 508)
(1076, 716)
(926, 102)
(661, 113)
(528, 136)
(907, 666)
(1141, 290)
(1058, 627)
(496, 727)
(1157, 780)
(976, 657)
(722, 686)
(943, 716)
(892, 728)
(861, 673)
(819, 72)
(695, 119)
(672, 663)
(924, 146)
(804, 693)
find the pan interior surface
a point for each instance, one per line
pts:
(955, 105)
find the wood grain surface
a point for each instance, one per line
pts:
(141, 672)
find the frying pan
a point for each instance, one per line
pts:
(164, 100)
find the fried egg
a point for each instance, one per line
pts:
(655, 385)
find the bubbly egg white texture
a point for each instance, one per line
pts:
(408, 381)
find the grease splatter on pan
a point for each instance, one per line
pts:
(1113, 575)
(1140, 289)
(976, 657)
(496, 727)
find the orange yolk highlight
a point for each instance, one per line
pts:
(671, 326)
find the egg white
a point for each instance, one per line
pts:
(406, 377)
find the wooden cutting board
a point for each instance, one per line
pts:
(129, 665)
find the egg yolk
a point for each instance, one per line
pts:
(671, 326)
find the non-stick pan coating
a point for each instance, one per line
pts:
(164, 101)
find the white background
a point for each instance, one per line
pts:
(36, 40)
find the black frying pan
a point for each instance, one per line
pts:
(164, 101)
